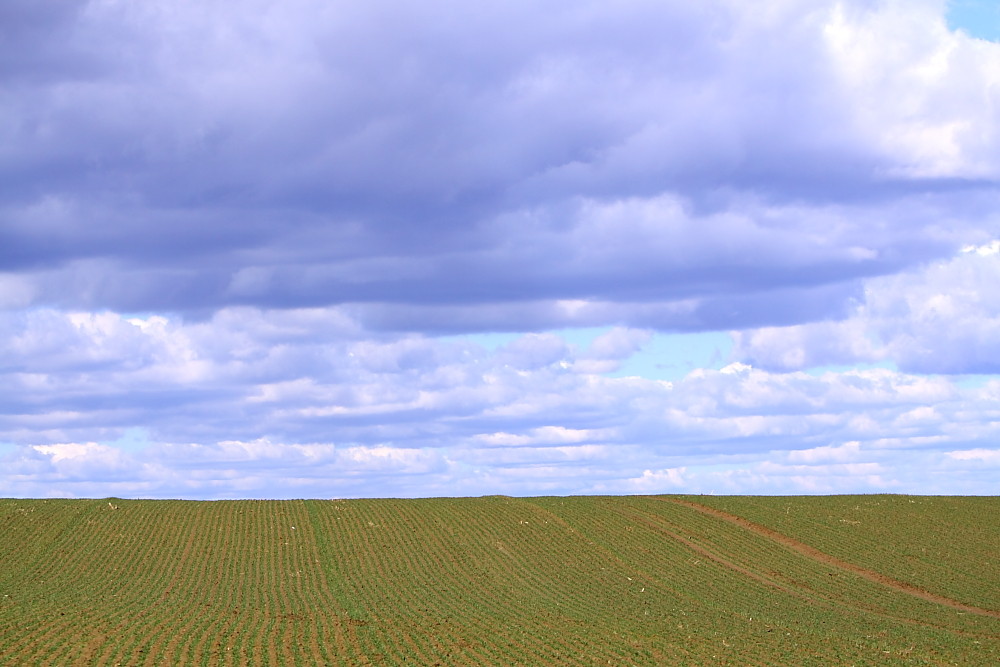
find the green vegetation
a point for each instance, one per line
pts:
(945, 544)
(848, 580)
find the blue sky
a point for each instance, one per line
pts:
(313, 249)
(978, 18)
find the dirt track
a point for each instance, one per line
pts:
(827, 559)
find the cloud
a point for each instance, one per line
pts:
(253, 401)
(663, 165)
(247, 232)
(937, 318)
(902, 62)
(986, 456)
(659, 481)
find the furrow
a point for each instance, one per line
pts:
(826, 559)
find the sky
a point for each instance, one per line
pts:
(301, 248)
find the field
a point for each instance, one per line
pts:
(840, 580)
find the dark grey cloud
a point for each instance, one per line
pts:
(428, 159)
(42, 43)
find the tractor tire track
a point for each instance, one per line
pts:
(832, 561)
(803, 592)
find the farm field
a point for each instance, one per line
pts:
(633, 580)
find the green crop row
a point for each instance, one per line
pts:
(515, 581)
(945, 544)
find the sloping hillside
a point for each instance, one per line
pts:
(491, 581)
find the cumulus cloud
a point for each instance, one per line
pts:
(246, 230)
(902, 62)
(943, 317)
(663, 165)
(292, 406)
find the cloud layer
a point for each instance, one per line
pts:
(246, 233)
(664, 165)
(296, 403)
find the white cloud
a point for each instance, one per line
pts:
(848, 451)
(292, 404)
(74, 451)
(991, 248)
(986, 456)
(231, 239)
(922, 92)
(943, 317)
(660, 481)
(545, 435)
